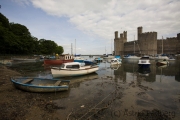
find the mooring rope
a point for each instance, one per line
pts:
(96, 105)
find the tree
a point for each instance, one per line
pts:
(59, 50)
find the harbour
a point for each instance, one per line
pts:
(120, 92)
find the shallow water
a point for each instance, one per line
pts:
(120, 92)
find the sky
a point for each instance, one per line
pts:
(87, 26)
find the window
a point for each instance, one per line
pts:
(72, 66)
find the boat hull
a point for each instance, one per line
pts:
(72, 72)
(56, 61)
(40, 85)
(162, 63)
(144, 65)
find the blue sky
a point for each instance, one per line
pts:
(92, 23)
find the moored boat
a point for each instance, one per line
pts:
(78, 59)
(60, 60)
(162, 62)
(115, 61)
(73, 69)
(144, 62)
(131, 57)
(40, 84)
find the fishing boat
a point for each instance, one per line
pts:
(162, 62)
(73, 69)
(59, 60)
(144, 62)
(40, 84)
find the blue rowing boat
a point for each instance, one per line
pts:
(40, 84)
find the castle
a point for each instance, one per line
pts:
(146, 44)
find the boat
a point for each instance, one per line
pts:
(115, 61)
(144, 62)
(40, 84)
(89, 62)
(115, 67)
(162, 62)
(171, 58)
(98, 59)
(73, 69)
(160, 57)
(131, 57)
(60, 60)
(78, 59)
(108, 56)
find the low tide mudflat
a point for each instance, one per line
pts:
(112, 93)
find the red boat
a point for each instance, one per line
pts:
(60, 59)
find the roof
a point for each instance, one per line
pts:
(72, 63)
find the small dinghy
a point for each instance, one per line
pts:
(40, 84)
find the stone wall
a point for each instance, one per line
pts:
(147, 44)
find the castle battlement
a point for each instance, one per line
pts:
(149, 33)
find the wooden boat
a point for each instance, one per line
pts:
(162, 62)
(73, 69)
(60, 60)
(40, 84)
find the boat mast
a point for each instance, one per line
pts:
(111, 46)
(75, 47)
(162, 44)
(71, 49)
(134, 44)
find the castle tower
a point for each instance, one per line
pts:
(125, 36)
(119, 44)
(116, 34)
(139, 30)
(178, 36)
(121, 36)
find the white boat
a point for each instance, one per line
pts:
(144, 62)
(73, 69)
(131, 57)
(161, 57)
(115, 61)
(162, 62)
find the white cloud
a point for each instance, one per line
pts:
(103, 17)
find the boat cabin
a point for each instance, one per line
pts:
(72, 65)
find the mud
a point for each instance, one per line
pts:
(97, 102)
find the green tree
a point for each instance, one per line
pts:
(4, 21)
(59, 50)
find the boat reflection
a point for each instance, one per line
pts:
(115, 67)
(77, 80)
(142, 71)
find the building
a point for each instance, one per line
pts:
(146, 44)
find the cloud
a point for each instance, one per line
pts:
(103, 17)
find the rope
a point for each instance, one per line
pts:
(96, 105)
